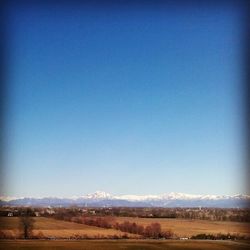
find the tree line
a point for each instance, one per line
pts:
(202, 213)
(153, 230)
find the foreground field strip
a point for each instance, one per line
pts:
(121, 244)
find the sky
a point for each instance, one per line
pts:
(129, 99)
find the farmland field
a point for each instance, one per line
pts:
(180, 227)
(121, 244)
(56, 228)
(187, 228)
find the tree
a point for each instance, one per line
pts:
(26, 224)
(153, 231)
(156, 230)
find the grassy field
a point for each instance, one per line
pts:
(182, 228)
(55, 228)
(121, 244)
(188, 228)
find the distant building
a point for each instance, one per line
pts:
(50, 211)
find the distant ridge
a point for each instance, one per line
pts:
(103, 199)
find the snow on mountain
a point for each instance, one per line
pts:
(8, 198)
(178, 196)
(98, 195)
(137, 197)
(100, 198)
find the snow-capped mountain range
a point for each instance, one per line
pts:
(103, 199)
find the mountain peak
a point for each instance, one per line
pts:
(101, 198)
(98, 195)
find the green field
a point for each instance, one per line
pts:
(121, 244)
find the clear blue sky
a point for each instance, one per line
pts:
(125, 99)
